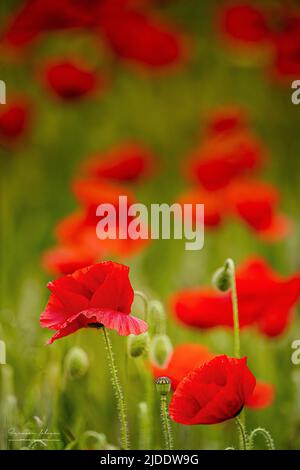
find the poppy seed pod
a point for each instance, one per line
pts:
(137, 345)
(222, 279)
(163, 385)
(160, 350)
(76, 363)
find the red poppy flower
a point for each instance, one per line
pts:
(66, 259)
(137, 37)
(213, 393)
(214, 207)
(244, 23)
(91, 192)
(256, 203)
(99, 295)
(80, 227)
(38, 16)
(265, 300)
(185, 357)
(223, 158)
(226, 120)
(286, 42)
(262, 396)
(14, 120)
(129, 162)
(70, 80)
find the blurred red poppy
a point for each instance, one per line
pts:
(37, 16)
(286, 43)
(257, 205)
(80, 227)
(277, 27)
(244, 23)
(214, 205)
(14, 121)
(71, 80)
(222, 158)
(99, 295)
(265, 300)
(66, 259)
(186, 357)
(91, 192)
(129, 32)
(262, 396)
(213, 393)
(128, 162)
(228, 119)
(141, 38)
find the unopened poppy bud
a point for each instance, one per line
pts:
(160, 350)
(163, 385)
(76, 363)
(137, 345)
(222, 279)
(157, 316)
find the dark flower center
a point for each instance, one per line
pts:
(95, 325)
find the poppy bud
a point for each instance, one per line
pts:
(157, 316)
(137, 345)
(160, 350)
(222, 279)
(163, 385)
(76, 363)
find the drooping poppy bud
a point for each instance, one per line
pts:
(157, 316)
(137, 345)
(76, 363)
(163, 385)
(222, 279)
(160, 350)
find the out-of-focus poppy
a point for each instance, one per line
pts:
(214, 205)
(70, 80)
(262, 396)
(244, 23)
(221, 159)
(14, 121)
(128, 162)
(184, 358)
(66, 259)
(99, 295)
(212, 393)
(188, 356)
(265, 300)
(91, 192)
(36, 17)
(256, 203)
(277, 28)
(129, 32)
(228, 119)
(80, 227)
(141, 38)
(286, 43)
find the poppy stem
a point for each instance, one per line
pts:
(268, 438)
(144, 425)
(166, 422)
(243, 434)
(229, 265)
(144, 298)
(118, 392)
